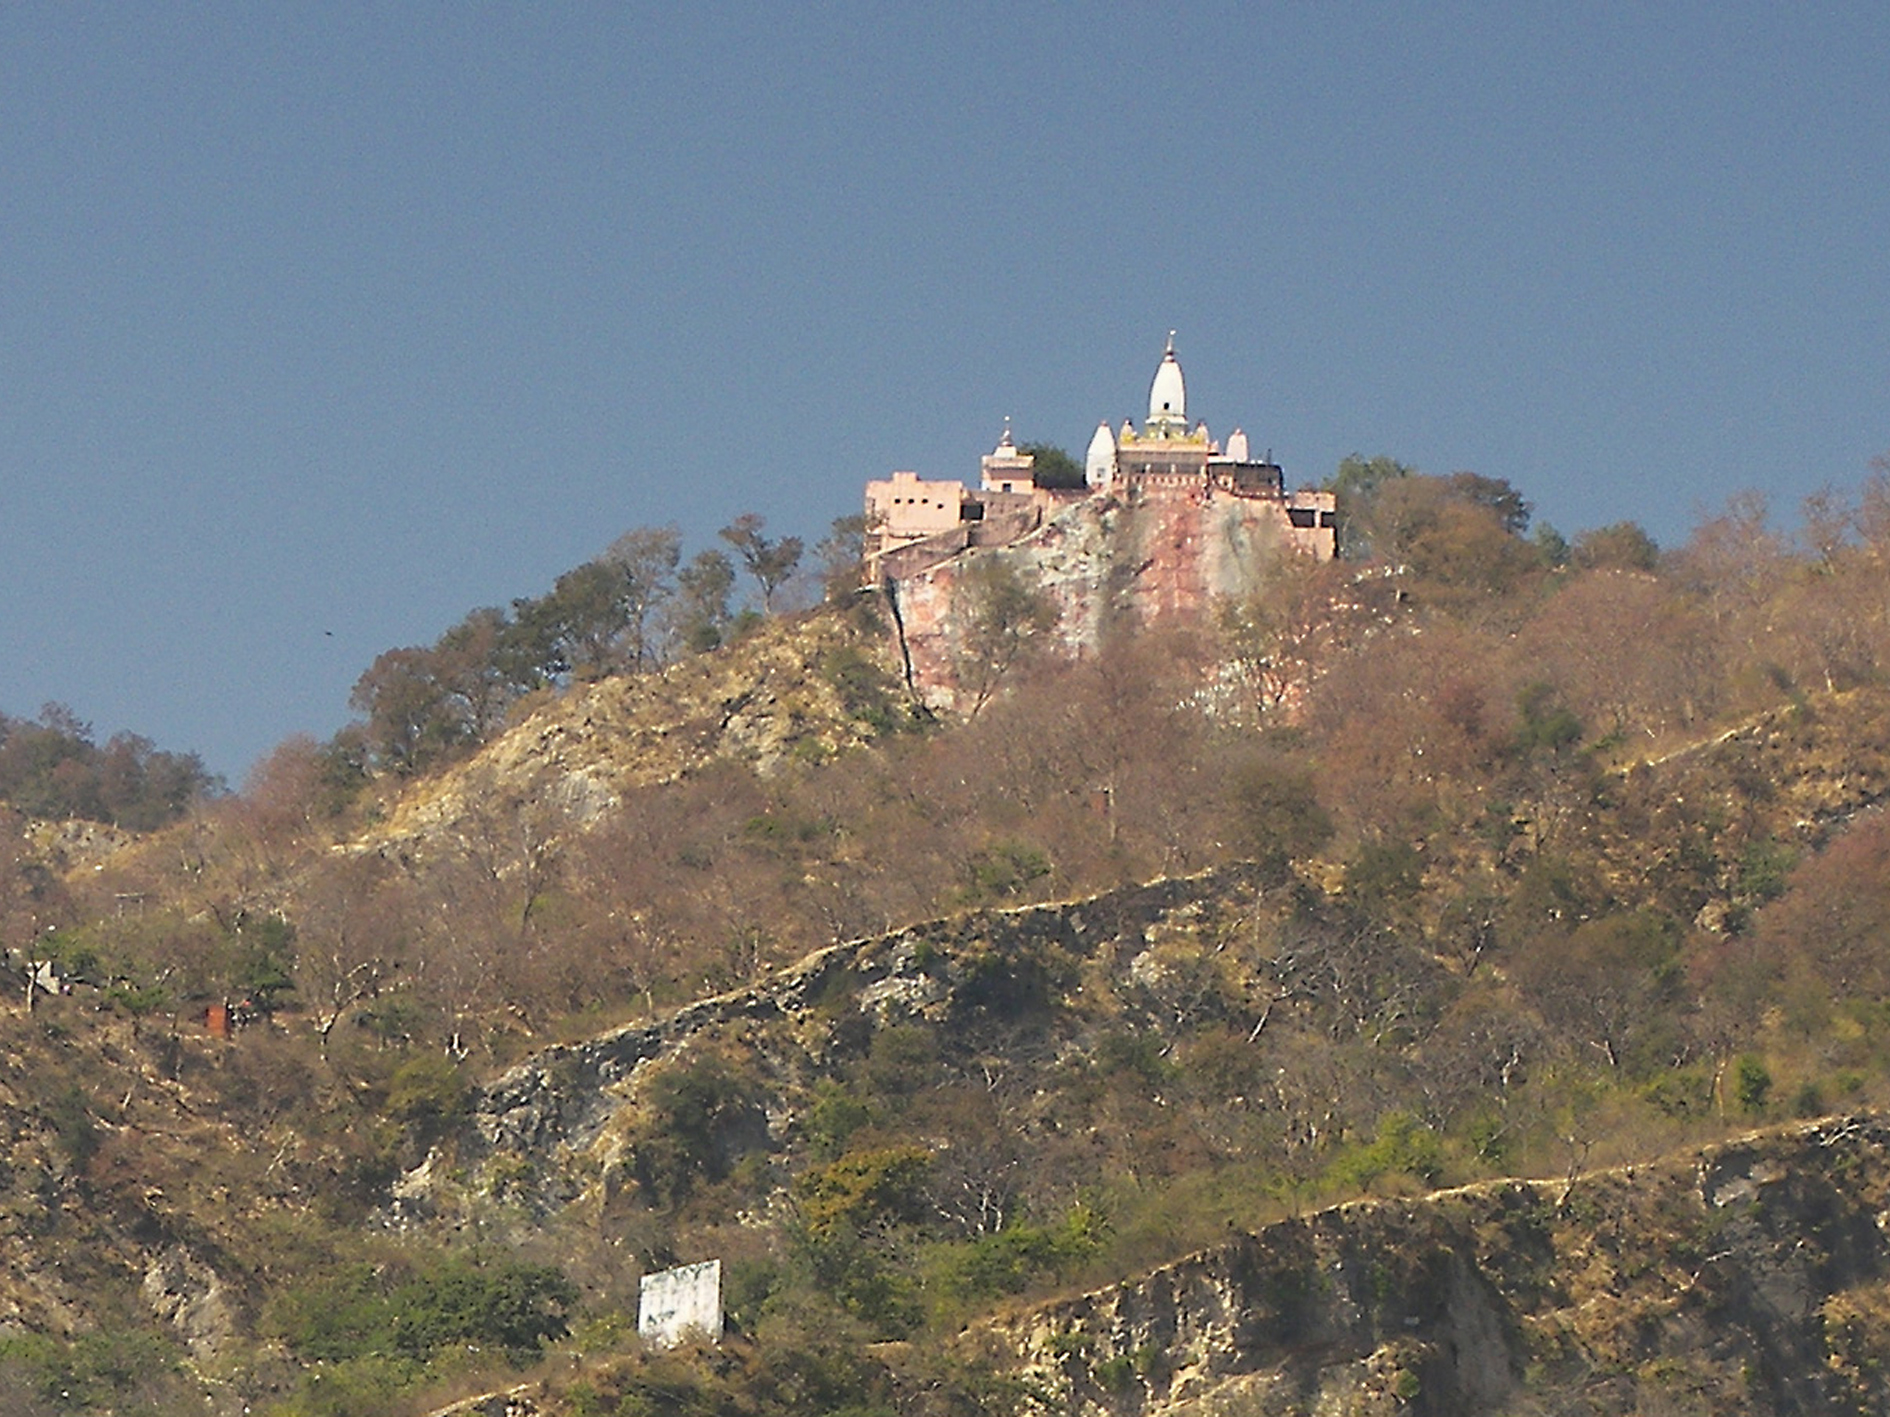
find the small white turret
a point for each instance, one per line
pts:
(1099, 465)
(1008, 470)
(1237, 447)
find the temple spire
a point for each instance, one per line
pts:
(1168, 396)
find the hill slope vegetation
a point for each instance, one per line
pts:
(1476, 856)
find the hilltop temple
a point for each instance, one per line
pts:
(918, 522)
(1168, 523)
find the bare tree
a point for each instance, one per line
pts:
(352, 936)
(1005, 621)
(646, 558)
(769, 562)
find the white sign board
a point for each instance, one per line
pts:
(676, 1302)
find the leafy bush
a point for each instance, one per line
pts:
(366, 1311)
(76, 1130)
(1137, 1053)
(864, 1189)
(1003, 871)
(1403, 1145)
(867, 692)
(1385, 875)
(835, 1116)
(864, 1276)
(698, 1116)
(350, 1387)
(903, 1060)
(1752, 1081)
(1007, 1261)
(1765, 868)
(1681, 1092)
(426, 1088)
(93, 1372)
(1544, 724)
(1118, 1374)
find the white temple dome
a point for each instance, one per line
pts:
(1099, 464)
(1168, 396)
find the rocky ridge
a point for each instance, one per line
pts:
(1752, 1276)
(572, 758)
(553, 1124)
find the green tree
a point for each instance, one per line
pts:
(1384, 877)
(700, 613)
(701, 1115)
(1356, 485)
(1277, 816)
(1460, 537)
(646, 558)
(1752, 1082)
(864, 1190)
(586, 612)
(1611, 982)
(841, 555)
(1551, 546)
(262, 956)
(411, 721)
(1494, 495)
(1053, 467)
(52, 768)
(483, 667)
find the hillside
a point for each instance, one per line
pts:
(800, 690)
(1748, 1277)
(954, 1038)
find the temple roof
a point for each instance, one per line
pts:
(1168, 395)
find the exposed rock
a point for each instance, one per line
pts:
(570, 760)
(564, 1102)
(73, 844)
(1102, 561)
(510, 1402)
(184, 1292)
(1753, 1276)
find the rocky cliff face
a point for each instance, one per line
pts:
(1753, 1277)
(1102, 560)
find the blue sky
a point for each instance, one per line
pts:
(321, 325)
